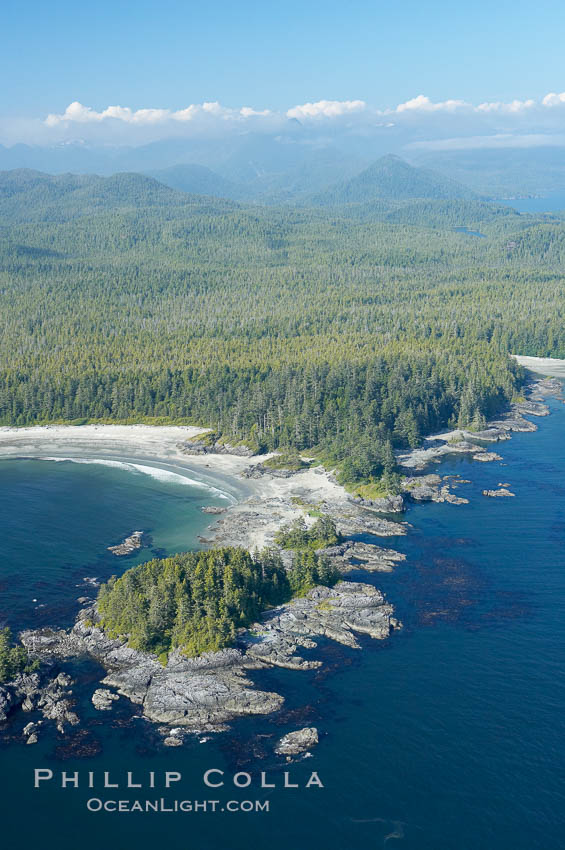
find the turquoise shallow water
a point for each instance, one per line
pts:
(449, 736)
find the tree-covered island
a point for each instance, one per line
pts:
(196, 601)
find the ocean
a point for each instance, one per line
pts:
(554, 202)
(448, 736)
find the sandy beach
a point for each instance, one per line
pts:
(550, 366)
(256, 507)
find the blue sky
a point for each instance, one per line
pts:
(274, 55)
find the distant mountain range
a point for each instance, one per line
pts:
(388, 190)
(199, 180)
(502, 172)
(295, 164)
(27, 195)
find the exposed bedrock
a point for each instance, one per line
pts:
(205, 693)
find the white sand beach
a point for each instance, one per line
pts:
(550, 366)
(258, 505)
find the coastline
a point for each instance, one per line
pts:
(259, 504)
(259, 501)
(204, 694)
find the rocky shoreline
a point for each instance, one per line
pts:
(50, 698)
(460, 441)
(204, 694)
(302, 492)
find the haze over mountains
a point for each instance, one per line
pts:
(293, 164)
(386, 186)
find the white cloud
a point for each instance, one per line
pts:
(248, 112)
(553, 99)
(79, 114)
(326, 109)
(417, 119)
(424, 104)
(509, 108)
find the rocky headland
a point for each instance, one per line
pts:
(461, 441)
(205, 693)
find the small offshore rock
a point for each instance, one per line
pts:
(487, 457)
(129, 545)
(297, 742)
(500, 493)
(29, 729)
(102, 699)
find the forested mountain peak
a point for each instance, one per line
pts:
(199, 180)
(27, 195)
(391, 178)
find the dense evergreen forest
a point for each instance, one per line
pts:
(14, 658)
(348, 330)
(196, 601)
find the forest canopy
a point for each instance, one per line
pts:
(196, 601)
(337, 331)
(14, 658)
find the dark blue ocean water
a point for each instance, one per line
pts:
(448, 736)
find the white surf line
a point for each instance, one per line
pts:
(172, 475)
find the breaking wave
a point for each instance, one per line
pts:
(156, 472)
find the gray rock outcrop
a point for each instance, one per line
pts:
(432, 488)
(34, 692)
(128, 545)
(102, 699)
(6, 702)
(391, 504)
(297, 742)
(201, 447)
(353, 554)
(207, 692)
